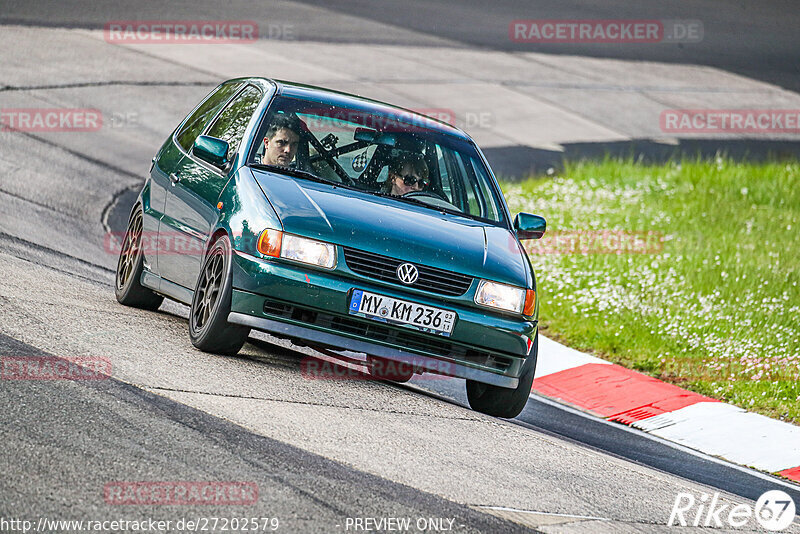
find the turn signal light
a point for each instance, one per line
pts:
(269, 242)
(530, 303)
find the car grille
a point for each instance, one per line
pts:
(379, 332)
(385, 268)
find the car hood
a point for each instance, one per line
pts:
(393, 228)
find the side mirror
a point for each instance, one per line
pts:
(529, 226)
(211, 149)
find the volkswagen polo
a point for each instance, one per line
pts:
(339, 223)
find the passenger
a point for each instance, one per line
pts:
(407, 174)
(281, 141)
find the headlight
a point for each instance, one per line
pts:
(308, 251)
(292, 247)
(505, 297)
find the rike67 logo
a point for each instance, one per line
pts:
(774, 510)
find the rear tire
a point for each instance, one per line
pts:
(504, 402)
(390, 370)
(127, 287)
(209, 328)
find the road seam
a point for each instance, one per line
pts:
(102, 84)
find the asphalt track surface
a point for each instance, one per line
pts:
(546, 416)
(753, 39)
(756, 39)
(319, 451)
(89, 433)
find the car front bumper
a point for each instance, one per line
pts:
(298, 302)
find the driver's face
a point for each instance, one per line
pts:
(280, 150)
(399, 187)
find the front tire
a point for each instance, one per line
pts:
(504, 402)
(127, 287)
(209, 329)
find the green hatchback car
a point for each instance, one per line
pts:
(339, 223)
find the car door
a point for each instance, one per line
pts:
(167, 164)
(153, 205)
(191, 208)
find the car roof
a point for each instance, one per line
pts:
(347, 100)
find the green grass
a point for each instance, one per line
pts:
(716, 310)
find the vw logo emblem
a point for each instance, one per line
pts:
(407, 273)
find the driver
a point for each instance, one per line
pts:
(407, 174)
(281, 141)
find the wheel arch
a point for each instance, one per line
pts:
(219, 231)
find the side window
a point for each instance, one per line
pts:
(198, 120)
(232, 122)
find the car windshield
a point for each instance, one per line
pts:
(382, 151)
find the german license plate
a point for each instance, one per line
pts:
(396, 311)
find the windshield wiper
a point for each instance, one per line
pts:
(291, 171)
(419, 202)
